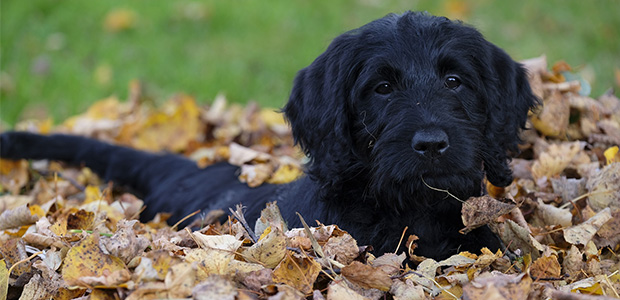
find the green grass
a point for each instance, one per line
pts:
(51, 51)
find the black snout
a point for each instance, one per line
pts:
(431, 143)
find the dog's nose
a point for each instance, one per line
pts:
(431, 143)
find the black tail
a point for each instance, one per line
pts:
(122, 165)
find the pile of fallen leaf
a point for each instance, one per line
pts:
(66, 235)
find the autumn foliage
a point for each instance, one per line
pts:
(66, 234)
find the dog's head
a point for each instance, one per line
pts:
(407, 101)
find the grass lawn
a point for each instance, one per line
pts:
(58, 57)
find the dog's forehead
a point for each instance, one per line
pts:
(415, 41)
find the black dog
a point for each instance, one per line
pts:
(400, 105)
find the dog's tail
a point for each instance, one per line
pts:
(124, 166)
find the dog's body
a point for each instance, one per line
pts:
(389, 110)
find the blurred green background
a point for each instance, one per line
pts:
(58, 57)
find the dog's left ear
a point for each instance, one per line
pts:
(509, 98)
(318, 109)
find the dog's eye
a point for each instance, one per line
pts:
(384, 88)
(452, 82)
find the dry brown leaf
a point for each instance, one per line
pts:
(240, 155)
(14, 250)
(582, 233)
(37, 239)
(604, 188)
(341, 290)
(486, 258)
(569, 188)
(547, 214)
(256, 279)
(458, 261)
(552, 120)
(535, 67)
(517, 237)
(270, 217)
(17, 217)
(80, 219)
(37, 288)
(425, 273)
(573, 263)
(546, 267)
(342, 248)
(609, 234)
(389, 263)
(479, 211)
(255, 175)
(321, 233)
(125, 243)
(367, 276)
(407, 290)
(555, 159)
(215, 287)
(180, 280)
(496, 285)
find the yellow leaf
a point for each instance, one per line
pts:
(120, 19)
(170, 129)
(594, 289)
(297, 271)
(45, 126)
(4, 279)
(612, 155)
(215, 253)
(14, 175)
(87, 265)
(92, 194)
(285, 174)
(270, 249)
(265, 233)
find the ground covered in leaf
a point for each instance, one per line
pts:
(65, 234)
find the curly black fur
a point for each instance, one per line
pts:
(389, 114)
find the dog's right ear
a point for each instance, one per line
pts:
(318, 108)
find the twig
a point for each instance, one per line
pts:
(238, 214)
(24, 260)
(76, 184)
(174, 227)
(401, 238)
(440, 190)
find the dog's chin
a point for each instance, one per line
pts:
(433, 188)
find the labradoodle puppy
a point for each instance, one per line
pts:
(389, 110)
